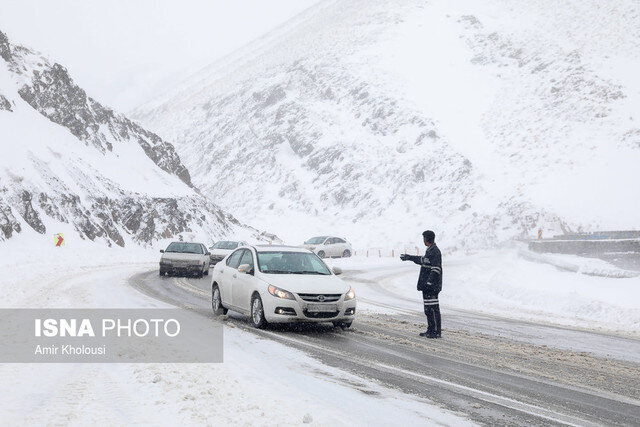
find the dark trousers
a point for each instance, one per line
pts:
(432, 310)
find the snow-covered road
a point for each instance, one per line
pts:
(492, 369)
(488, 368)
(262, 382)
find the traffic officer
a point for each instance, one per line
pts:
(429, 282)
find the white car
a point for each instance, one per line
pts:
(329, 246)
(185, 258)
(280, 284)
(223, 248)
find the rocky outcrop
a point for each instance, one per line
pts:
(57, 184)
(29, 214)
(143, 219)
(50, 90)
(8, 223)
(5, 104)
(5, 47)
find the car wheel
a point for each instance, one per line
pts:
(161, 273)
(321, 254)
(216, 302)
(346, 253)
(206, 270)
(257, 313)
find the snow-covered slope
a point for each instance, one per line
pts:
(484, 120)
(69, 164)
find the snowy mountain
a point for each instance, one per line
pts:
(69, 164)
(482, 120)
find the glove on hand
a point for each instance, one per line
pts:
(404, 257)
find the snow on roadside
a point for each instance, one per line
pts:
(502, 282)
(78, 275)
(260, 383)
(578, 264)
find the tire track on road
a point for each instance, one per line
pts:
(372, 351)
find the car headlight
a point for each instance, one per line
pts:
(280, 293)
(350, 295)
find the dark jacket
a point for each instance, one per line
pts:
(430, 279)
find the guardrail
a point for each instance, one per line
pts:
(387, 253)
(591, 247)
(600, 235)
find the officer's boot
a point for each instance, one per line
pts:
(431, 330)
(436, 315)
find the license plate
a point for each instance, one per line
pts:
(321, 308)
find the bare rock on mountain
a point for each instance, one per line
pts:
(80, 164)
(5, 104)
(50, 90)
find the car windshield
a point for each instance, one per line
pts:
(291, 263)
(315, 240)
(185, 248)
(225, 245)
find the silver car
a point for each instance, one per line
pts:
(329, 246)
(223, 248)
(185, 258)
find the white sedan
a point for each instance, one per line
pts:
(280, 284)
(329, 247)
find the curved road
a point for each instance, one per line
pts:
(494, 370)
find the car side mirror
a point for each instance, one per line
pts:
(207, 253)
(245, 268)
(337, 271)
(161, 251)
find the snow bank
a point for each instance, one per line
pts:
(502, 282)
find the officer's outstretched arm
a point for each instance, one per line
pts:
(407, 257)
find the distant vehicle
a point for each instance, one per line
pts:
(329, 246)
(223, 248)
(185, 258)
(281, 284)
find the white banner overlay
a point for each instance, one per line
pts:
(108, 336)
